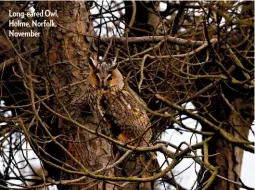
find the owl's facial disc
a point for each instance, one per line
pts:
(104, 80)
(106, 76)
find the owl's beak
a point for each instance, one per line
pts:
(104, 85)
(104, 88)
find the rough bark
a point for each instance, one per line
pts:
(228, 155)
(56, 69)
(66, 52)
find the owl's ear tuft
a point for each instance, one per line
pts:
(92, 63)
(114, 64)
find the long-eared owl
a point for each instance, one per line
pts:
(116, 107)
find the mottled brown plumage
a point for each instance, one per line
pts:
(121, 111)
(117, 108)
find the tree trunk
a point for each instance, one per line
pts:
(45, 85)
(228, 156)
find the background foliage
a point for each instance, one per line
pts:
(190, 52)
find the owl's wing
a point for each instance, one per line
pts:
(128, 118)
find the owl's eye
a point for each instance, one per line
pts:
(109, 77)
(96, 70)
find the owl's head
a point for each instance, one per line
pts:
(105, 75)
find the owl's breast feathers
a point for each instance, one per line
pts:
(127, 119)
